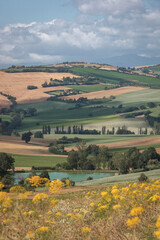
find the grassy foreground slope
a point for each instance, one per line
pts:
(117, 212)
(131, 177)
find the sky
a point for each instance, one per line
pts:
(55, 31)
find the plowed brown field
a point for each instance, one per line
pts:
(106, 93)
(15, 84)
(131, 143)
(14, 145)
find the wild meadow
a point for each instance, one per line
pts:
(121, 211)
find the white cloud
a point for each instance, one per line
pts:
(45, 58)
(111, 7)
(123, 28)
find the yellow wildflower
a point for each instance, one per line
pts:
(115, 191)
(58, 214)
(155, 198)
(117, 206)
(42, 229)
(54, 202)
(133, 222)
(92, 204)
(158, 222)
(103, 194)
(69, 215)
(5, 200)
(157, 234)
(17, 189)
(104, 207)
(30, 235)
(6, 220)
(40, 197)
(85, 230)
(136, 211)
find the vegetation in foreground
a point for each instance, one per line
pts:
(128, 211)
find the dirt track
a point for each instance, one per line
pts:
(106, 93)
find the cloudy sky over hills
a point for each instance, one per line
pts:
(53, 31)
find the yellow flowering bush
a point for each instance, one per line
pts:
(40, 197)
(17, 189)
(5, 201)
(1, 185)
(55, 186)
(133, 222)
(37, 181)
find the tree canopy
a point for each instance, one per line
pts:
(6, 162)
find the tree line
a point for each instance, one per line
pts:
(100, 157)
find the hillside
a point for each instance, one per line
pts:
(94, 97)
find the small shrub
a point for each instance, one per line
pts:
(17, 189)
(31, 87)
(143, 178)
(89, 178)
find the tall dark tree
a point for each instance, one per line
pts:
(26, 136)
(6, 162)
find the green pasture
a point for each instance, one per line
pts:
(154, 68)
(155, 112)
(98, 139)
(116, 77)
(137, 98)
(91, 88)
(5, 117)
(57, 113)
(132, 177)
(37, 161)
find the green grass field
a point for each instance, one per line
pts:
(91, 88)
(99, 139)
(156, 112)
(116, 77)
(132, 177)
(58, 113)
(154, 68)
(37, 161)
(137, 98)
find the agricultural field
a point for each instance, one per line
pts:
(15, 84)
(93, 115)
(137, 98)
(37, 161)
(4, 102)
(106, 93)
(92, 88)
(118, 77)
(156, 112)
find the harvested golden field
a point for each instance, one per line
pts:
(4, 102)
(15, 84)
(109, 68)
(107, 93)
